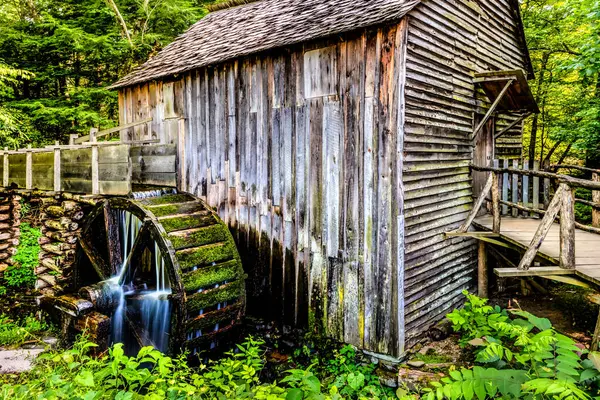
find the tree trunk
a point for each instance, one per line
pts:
(535, 123)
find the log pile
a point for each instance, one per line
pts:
(10, 232)
(61, 219)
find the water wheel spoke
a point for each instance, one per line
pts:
(139, 332)
(98, 263)
(111, 223)
(140, 244)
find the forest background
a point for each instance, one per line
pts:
(57, 58)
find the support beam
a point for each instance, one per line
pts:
(492, 109)
(482, 271)
(567, 228)
(512, 125)
(486, 190)
(543, 230)
(536, 271)
(496, 213)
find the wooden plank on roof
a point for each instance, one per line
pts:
(518, 97)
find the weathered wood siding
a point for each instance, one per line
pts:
(299, 151)
(448, 41)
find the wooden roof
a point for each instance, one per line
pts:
(267, 24)
(518, 98)
(263, 25)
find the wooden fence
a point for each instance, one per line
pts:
(89, 166)
(558, 191)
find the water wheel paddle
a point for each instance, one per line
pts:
(164, 268)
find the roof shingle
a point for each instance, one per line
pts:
(260, 26)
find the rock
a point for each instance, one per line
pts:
(416, 364)
(387, 378)
(17, 361)
(413, 380)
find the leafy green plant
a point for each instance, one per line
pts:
(15, 333)
(524, 357)
(22, 273)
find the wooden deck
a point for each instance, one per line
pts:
(520, 231)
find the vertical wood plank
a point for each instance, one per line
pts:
(515, 188)
(57, 165)
(5, 169)
(567, 228)
(505, 185)
(29, 168)
(536, 189)
(526, 187)
(95, 162)
(482, 283)
(596, 199)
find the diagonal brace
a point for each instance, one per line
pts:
(492, 109)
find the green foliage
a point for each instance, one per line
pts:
(74, 374)
(524, 357)
(22, 273)
(16, 333)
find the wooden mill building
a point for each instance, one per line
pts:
(335, 138)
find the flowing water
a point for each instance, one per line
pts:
(142, 296)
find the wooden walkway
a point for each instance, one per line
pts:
(520, 231)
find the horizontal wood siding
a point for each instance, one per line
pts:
(282, 145)
(448, 42)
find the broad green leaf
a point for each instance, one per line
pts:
(295, 394)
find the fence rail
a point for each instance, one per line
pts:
(87, 165)
(519, 191)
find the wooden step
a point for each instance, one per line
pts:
(167, 199)
(209, 276)
(165, 210)
(206, 255)
(199, 236)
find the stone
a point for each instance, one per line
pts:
(416, 364)
(387, 378)
(17, 361)
(413, 380)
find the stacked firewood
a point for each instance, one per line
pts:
(61, 218)
(10, 221)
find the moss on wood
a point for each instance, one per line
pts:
(168, 199)
(188, 222)
(226, 315)
(206, 255)
(177, 209)
(209, 276)
(229, 292)
(200, 237)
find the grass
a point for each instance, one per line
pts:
(16, 333)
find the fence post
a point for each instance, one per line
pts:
(29, 169)
(526, 188)
(536, 188)
(567, 228)
(95, 166)
(496, 202)
(6, 174)
(57, 171)
(595, 199)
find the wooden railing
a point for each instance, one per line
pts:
(532, 193)
(87, 165)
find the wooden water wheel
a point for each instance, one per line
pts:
(203, 270)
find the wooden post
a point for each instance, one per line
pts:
(546, 193)
(57, 171)
(496, 202)
(596, 337)
(482, 282)
(95, 165)
(526, 187)
(536, 189)
(543, 229)
(6, 175)
(182, 179)
(567, 228)
(29, 169)
(505, 184)
(72, 138)
(595, 199)
(515, 189)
